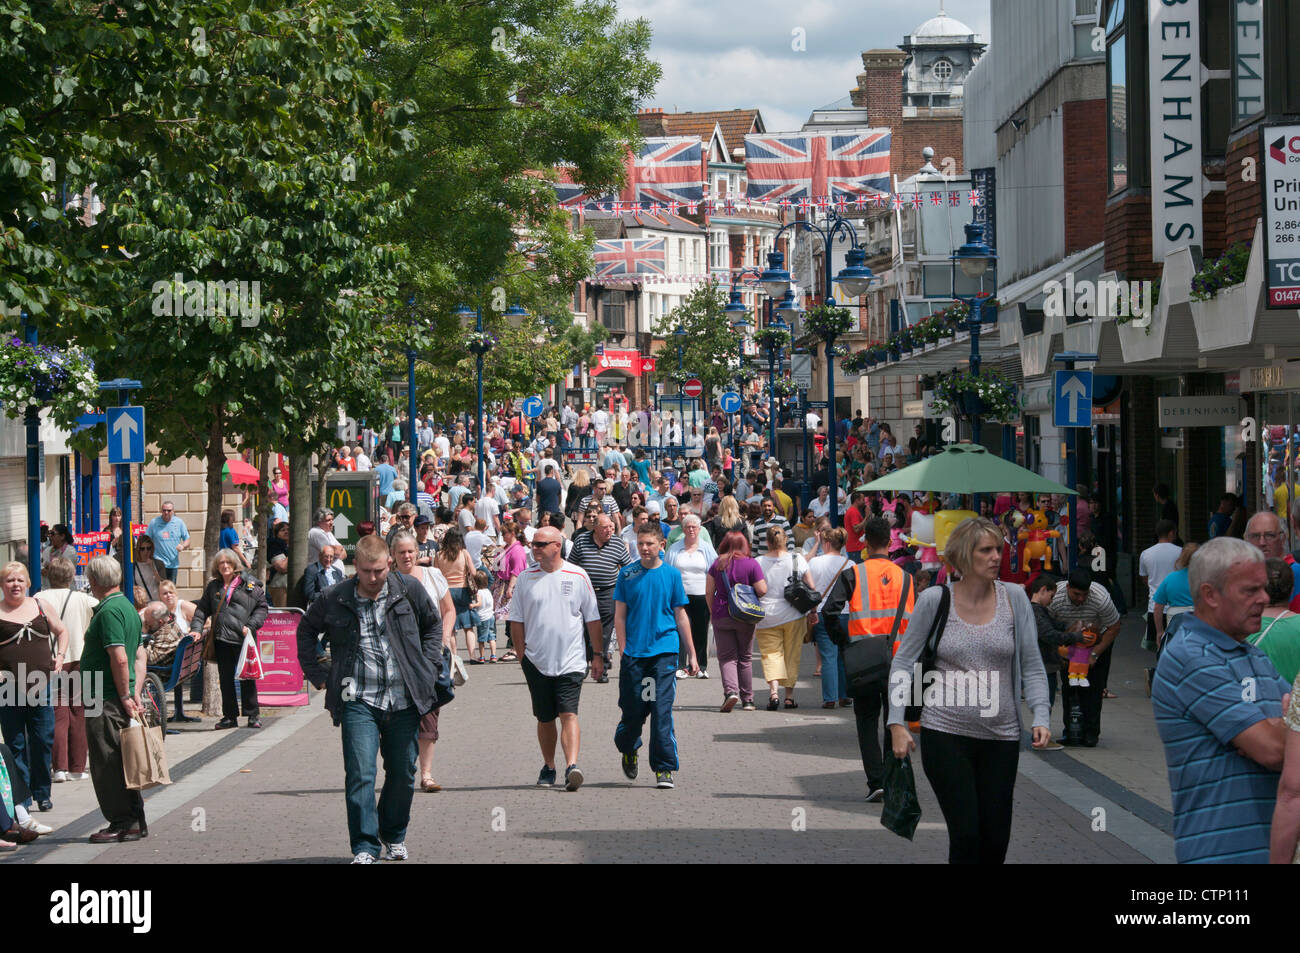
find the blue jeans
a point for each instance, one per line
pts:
(29, 732)
(368, 732)
(830, 656)
(633, 689)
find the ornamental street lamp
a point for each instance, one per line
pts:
(740, 323)
(855, 278)
(973, 260)
(774, 323)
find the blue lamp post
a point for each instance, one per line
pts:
(478, 347)
(738, 314)
(774, 323)
(854, 279)
(973, 259)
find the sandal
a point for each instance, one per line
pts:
(1107, 693)
(791, 704)
(773, 703)
(430, 786)
(509, 657)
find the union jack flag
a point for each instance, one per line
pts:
(616, 257)
(670, 169)
(817, 164)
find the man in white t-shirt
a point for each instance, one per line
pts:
(812, 420)
(600, 423)
(552, 605)
(488, 510)
(362, 461)
(475, 540)
(1155, 563)
(442, 446)
(822, 505)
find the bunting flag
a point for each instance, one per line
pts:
(615, 257)
(817, 166)
(669, 170)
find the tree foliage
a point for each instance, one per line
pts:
(711, 348)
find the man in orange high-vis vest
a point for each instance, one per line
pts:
(873, 598)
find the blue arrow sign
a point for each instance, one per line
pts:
(730, 402)
(125, 434)
(1072, 398)
(533, 406)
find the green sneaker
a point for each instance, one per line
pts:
(663, 779)
(629, 766)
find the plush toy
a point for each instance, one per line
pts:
(1079, 657)
(1035, 536)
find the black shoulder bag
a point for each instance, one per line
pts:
(867, 658)
(928, 653)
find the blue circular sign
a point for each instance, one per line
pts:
(533, 406)
(730, 402)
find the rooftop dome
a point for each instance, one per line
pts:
(941, 26)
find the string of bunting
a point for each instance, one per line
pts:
(841, 203)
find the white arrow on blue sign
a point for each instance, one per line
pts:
(125, 434)
(1072, 404)
(730, 402)
(533, 406)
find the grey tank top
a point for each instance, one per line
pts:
(971, 687)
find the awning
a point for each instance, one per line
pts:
(238, 472)
(947, 355)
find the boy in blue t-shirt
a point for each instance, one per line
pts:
(652, 629)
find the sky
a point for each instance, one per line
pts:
(739, 54)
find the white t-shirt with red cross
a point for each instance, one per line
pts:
(554, 608)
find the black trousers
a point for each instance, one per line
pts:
(227, 659)
(605, 606)
(1088, 699)
(866, 710)
(973, 780)
(121, 807)
(697, 611)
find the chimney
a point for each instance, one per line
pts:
(880, 87)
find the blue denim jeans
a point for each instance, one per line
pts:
(368, 732)
(830, 656)
(843, 676)
(29, 732)
(646, 688)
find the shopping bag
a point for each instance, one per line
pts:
(250, 660)
(459, 674)
(144, 760)
(902, 811)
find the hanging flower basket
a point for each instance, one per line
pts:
(680, 376)
(989, 395)
(783, 387)
(828, 323)
(769, 339)
(37, 375)
(745, 375)
(480, 342)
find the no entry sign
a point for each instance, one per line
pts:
(693, 387)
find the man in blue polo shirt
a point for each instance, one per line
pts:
(652, 629)
(170, 536)
(1218, 704)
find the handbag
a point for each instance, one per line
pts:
(902, 810)
(144, 760)
(929, 651)
(743, 604)
(798, 593)
(867, 658)
(443, 690)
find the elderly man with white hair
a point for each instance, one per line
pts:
(1267, 533)
(1218, 703)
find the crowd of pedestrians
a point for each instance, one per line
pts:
(639, 565)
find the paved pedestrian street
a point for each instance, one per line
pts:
(756, 786)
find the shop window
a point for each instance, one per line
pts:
(612, 311)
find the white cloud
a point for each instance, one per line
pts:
(727, 54)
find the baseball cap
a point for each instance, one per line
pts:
(422, 520)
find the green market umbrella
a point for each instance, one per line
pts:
(965, 468)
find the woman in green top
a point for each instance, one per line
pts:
(1279, 633)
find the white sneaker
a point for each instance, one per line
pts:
(363, 858)
(59, 776)
(83, 776)
(36, 827)
(703, 673)
(682, 673)
(395, 852)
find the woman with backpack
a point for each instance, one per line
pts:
(780, 639)
(733, 637)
